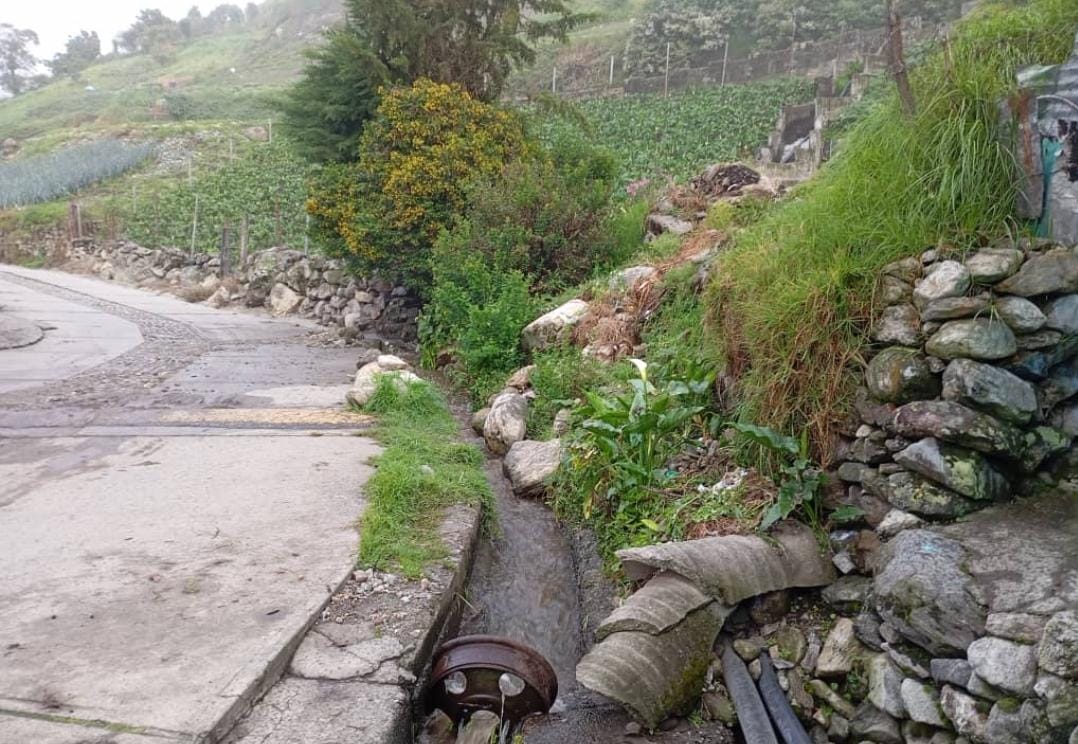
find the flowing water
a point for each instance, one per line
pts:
(524, 584)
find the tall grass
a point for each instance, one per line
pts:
(792, 300)
(45, 177)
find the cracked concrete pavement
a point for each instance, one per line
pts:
(179, 489)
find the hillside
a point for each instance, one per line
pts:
(230, 76)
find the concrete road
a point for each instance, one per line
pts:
(179, 490)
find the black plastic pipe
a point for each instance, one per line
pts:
(751, 714)
(783, 716)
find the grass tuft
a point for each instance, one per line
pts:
(792, 300)
(424, 469)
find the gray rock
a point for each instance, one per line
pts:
(947, 279)
(1005, 725)
(915, 494)
(658, 224)
(894, 291)
(848, 594)
(920, 733)
(955, 308)
(1016, 626)
(872, 724)
(899, 324)
(922, 702)
(951, 671)
(479, 420)
(563, 421)
(991, 265)
(1006, 665)
(1044, 339)
(368, 377)
(823, 692)
(1065, 419)
(906, 269)
(1059, 645)
(980, 338)
(965, 713)
(990, 389)
(897, 521)
(899, 375)
(961, 470)
(1037, 365)
(521, 379)
(632, 276)
(979, 688)
(530, 466)
(868, 627)
(555, 328)
(852, 472)
(1062, 314)
(904, 659)
(1060, 698)
(838, 728)
(1048, 273)
(1061, 385)
(952, 422)
(840, 650)
(1020, 314)
(719, 707)
(1035, 721)
(870, 451)
(283, 301)
(885, 685)
(922, 590)
(507, 422)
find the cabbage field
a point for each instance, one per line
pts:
(46, 177)
(676, 136)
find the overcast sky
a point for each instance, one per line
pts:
(56, 20)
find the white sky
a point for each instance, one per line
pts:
(56, 20)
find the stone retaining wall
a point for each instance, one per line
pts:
(284, 281)
(969, 402)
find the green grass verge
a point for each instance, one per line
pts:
(424, 469)
(793, 299)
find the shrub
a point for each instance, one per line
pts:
(560, 380)
(417, 157)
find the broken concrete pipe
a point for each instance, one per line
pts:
(477, 673)
(654, 650)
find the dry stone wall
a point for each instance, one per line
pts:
(969, 403)
(284, 281)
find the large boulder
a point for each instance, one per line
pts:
(990, 389)
(555, 328)
(1049, 273)
(507, 422)
(964, 711)
(953, 422)
(629, 278)
(922, 702)
(531, 465)
(979, 338)
(954, 308)
(885, 685)
(923, 591)
(657, 224)
(956, 468)
(283, 300)
(899, 324)
(900, 375)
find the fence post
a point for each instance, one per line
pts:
(611, 70)
(666, 79)
(225, 254)
(725, 59)
(244, 240)
(194, 226)
(554, 80)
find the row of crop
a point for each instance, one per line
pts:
(655, 136)
(57, 174)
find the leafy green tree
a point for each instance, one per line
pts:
(79, 53)
(471, 43)
(225, 16)
(152, 33)
(16, 60)
(192, 24)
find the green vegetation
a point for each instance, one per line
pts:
(38, 179)
(266, 184)
(793, 298)
(654, 136)
(424, 469)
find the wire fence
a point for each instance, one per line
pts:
(596, 77)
